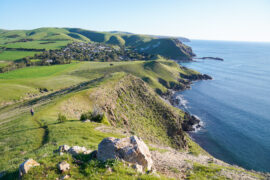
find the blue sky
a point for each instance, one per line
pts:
(240, 20)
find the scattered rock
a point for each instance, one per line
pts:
(75, 150)
(138, 168)
(63, 166)
(131, 149)
(26, 166)
(63, 148)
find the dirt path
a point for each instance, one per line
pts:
(177, 164)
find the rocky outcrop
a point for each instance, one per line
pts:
(26, 166)
(195, 77)
(190, 122)
(131, 149)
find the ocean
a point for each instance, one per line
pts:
(235, 106)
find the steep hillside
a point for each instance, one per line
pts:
(131, 104)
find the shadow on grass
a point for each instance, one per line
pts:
(11, 175)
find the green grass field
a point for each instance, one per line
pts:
(15, 55)
(38, 44)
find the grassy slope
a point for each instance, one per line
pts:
(14, 55)
(16, 84)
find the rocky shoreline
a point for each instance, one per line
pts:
(190, 122)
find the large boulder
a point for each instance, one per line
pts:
(131, 149)
(26, 166)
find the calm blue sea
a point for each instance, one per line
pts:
(235, 106)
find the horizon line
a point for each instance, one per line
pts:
(178, 36)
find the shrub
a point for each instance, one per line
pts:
(86, 116)
(61, 118)
(95, 116)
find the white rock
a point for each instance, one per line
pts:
(75, 150)
(63, 166)
(27, 165)
(131, 149)
(63, 148)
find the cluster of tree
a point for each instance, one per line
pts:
(17, 64)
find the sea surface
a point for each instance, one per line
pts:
(235, 106)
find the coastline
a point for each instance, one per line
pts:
(191, 122)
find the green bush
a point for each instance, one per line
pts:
(85, 116)
(61, 118)
(95, 117)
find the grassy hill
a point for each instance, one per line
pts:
(72, 91)
(125, 91)
(55, 38)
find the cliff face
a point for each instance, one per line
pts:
(168, 48)
(130, 103)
